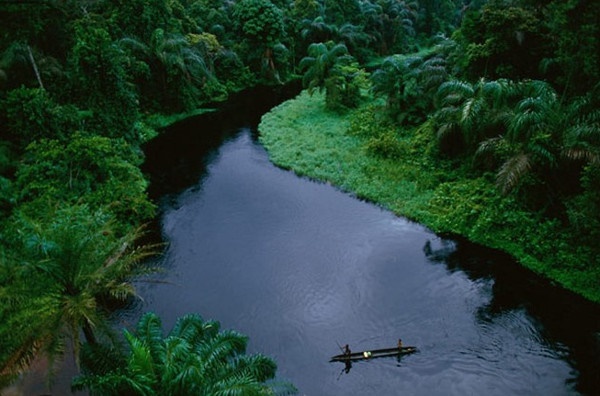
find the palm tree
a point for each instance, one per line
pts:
(544, 132)
(532, 135)
(329, 67)
(407, 83)
(582, 138)
(389, 23)
(195, 358)
(75, 269)
(172, 59)
(541, 133)
(351, 35)
(316, 30)
(470, 113)
(320, 62)
(372, 22)
(387, 80)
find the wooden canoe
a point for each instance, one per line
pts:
(376, 353)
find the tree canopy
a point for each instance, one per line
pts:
(504, 91)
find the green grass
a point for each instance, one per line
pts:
(365, 156)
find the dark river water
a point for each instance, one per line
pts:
(301, 268)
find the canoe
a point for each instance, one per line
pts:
(376, 353)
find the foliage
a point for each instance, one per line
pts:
(140, 18)
(81, 83)
(343, 87)
(329, 67)
(31, 114)
(96, 169)
(404, 173)
(259, 20)
(100, 81)
(584, 209)
(385, 145)
(196, 357)
(261, 25)
(21, 63)
(408, 83)
(522, 130)
(71, 268)
(503, 41)
(342, 11)
(573, 30)
(390, 24)
(178, 67)
(440, 16)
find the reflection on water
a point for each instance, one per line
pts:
(302, 268)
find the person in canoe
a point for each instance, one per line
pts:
(399, 344)
(347, 350)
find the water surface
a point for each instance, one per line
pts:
(301, 268)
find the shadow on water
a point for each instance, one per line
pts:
(561, 317)
(178, 159)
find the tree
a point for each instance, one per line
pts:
(342, 11)
(35, 37)
(21, 53)
(573, 31)
(408, 83)
(140, 18)
(212, 16)
(439, 16)
(502, 41)
(581, 141)
(354, 38)
(261, 25)
(470, 113)
(31, 114)
(95, 169)
(70, 270)
(195, 358)
(546, 146)
(389, 23)
(305, 9)
(532, 135)
(176, 68)
(101, 81)
(316, 30)
(329, 67)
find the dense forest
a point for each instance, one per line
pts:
(509, 90)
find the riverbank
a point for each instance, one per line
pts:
(363, 156)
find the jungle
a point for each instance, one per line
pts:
(476, 118)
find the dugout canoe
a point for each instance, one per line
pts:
(376, 353)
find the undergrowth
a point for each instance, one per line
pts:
(365, 155)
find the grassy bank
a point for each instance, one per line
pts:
(363, 155)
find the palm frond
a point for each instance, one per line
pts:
(582, 154)
(149, 330)
(256, 366)
(490, 146)
(455, 87)
(448, 131)
(189, 327)
(512, 172)
(140, 360)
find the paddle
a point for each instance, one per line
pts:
(339, 346)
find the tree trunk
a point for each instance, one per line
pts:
(88, 332)
(34, 65)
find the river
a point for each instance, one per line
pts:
(301, 268)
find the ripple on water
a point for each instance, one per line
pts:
(297, 266)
